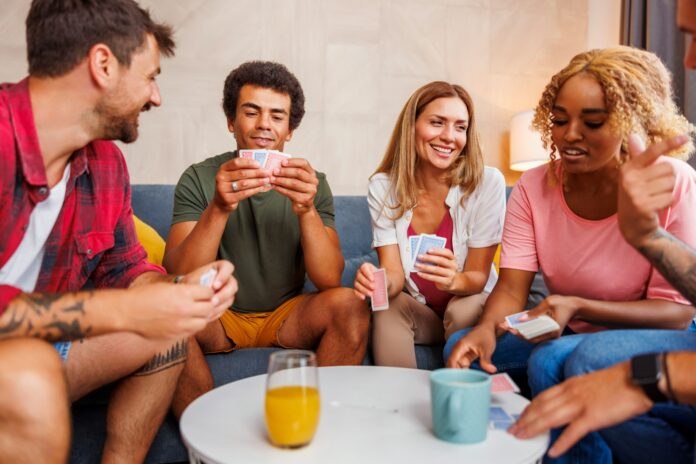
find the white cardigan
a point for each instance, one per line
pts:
(477, 224)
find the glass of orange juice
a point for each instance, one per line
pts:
(292, 398)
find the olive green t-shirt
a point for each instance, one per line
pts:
(261, 238)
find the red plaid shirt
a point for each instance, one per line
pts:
(94, 236)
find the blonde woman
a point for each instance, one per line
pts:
(562, 218)
(432, 181)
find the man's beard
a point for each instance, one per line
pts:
(118, 126)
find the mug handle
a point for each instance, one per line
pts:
(453, 407)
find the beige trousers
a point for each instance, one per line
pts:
(395, 330)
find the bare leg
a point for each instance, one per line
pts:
(140, 402)
(334, 321)
(196, 378)
(34, 406)
(396, 330)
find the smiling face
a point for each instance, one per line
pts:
(686, 20)
(580, 129)
(441, 132)
(137, 91)
(262, 119)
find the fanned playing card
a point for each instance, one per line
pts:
(379, 297)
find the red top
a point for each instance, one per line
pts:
(434, 297)
(94, 236)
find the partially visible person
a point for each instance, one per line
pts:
(67, 220)
(432, 180)
(562, 218)
(611, 395)
(274, 226)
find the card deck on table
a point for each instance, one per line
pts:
(379, 297)
(502, 383)
(208, 278)
(426, 243)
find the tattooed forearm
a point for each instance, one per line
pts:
(161, 361)
(675, 260)
(52, 317)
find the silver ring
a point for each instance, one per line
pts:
(235, 187)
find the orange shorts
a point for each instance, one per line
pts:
(255, 330)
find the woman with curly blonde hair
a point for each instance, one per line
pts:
(561, 220)
(432, 181)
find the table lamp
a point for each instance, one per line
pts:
(526, 149)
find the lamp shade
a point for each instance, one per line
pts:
(526, 148)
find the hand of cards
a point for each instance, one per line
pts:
(380, 297)
(268, 159)
(421, 244)
(208, 278)
(532, 328)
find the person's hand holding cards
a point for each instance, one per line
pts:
(295, 178)
(372, 282)
(432, 261)
(237, 180)
(545, 322)
(218, 277)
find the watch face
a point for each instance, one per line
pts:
(645, 369)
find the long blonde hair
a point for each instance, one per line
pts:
(637, 91)
(400, 159)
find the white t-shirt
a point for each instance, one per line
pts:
(22, 269)
(478, 223)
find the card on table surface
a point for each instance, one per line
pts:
(379, 297)
(498, 414)
(208, 278)
(426, 243)
(502, 383)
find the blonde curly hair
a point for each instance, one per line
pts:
(637, 91)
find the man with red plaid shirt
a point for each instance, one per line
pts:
(66, 220)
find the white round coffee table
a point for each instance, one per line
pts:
(368, 415)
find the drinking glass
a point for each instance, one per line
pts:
(292, 398)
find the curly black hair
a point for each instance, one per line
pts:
(264, 74)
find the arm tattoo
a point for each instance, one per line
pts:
(675, 260)
(52, 317)
(176, 354)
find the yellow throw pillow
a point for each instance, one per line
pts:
(496, 259)
(150, 240)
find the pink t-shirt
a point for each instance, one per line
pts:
(587, 258)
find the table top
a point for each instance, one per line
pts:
(368, 414)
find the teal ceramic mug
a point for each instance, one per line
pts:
(460, 401)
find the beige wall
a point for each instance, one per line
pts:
(358, 61)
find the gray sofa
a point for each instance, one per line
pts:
(153, 204)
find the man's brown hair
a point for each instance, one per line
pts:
(61, 32)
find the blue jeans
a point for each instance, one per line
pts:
(511, 352)
(665, 434)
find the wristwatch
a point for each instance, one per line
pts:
(646, 372)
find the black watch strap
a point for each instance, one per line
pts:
(646, 372)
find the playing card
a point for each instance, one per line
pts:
(246, 154)
(274, 160)
(514, 319)
(498, 414)
(261, 156)
(413, 245)
(501, 425)
(379, 297)
(502, 383)
(208, 278)
(426, 243)
(537, 327)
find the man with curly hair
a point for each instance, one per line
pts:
(274, 226)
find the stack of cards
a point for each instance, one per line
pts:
(379, 297)
(500, 419)
(502, 383)
(532, 328)
(420, 244)
(268, 159)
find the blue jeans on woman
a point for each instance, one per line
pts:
(665, 434)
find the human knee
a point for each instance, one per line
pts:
(541, 366)
(397, 314)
